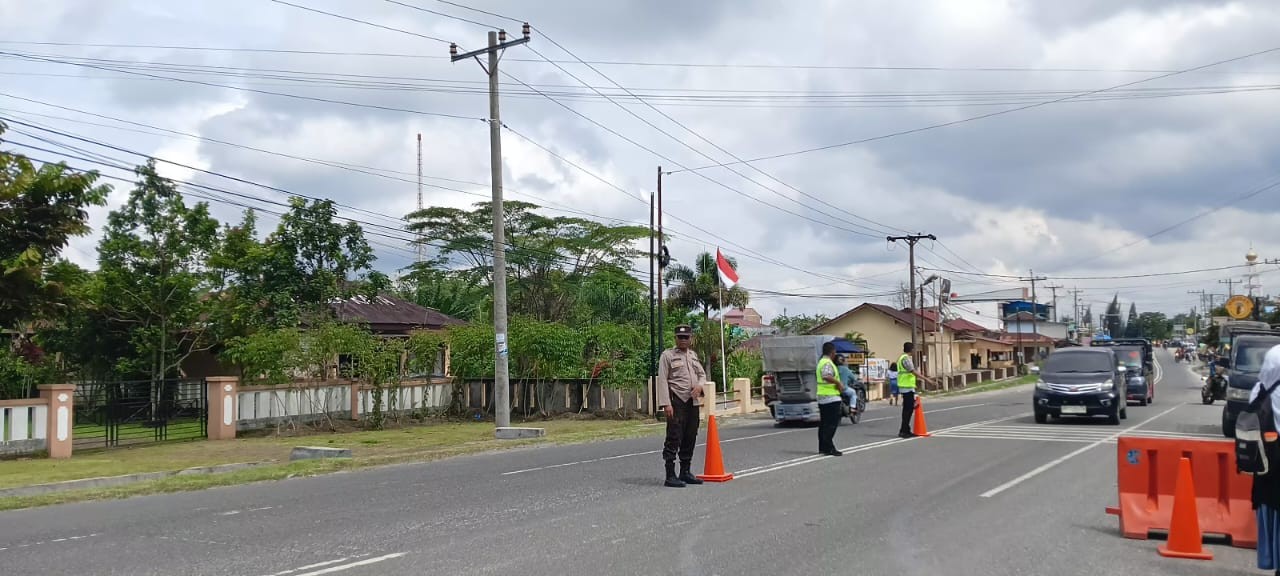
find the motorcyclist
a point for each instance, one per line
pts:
(850, 380)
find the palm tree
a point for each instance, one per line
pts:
(697, 288)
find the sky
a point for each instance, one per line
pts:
(1104, 145)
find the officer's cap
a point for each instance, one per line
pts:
(684, 330)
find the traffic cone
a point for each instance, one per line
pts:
(918, 426)
(1184, 529)
(713, 468)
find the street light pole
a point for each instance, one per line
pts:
(501, 376)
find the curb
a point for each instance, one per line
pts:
(114, 481)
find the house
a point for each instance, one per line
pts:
(1026, 323)
(950, 346)
(749, 321)
(385, 316)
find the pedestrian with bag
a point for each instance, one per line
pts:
(1260, 452)
(679, 391)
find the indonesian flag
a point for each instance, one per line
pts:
(728, 276)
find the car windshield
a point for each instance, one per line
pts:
(1249, 355)
(1078, 362)
(1129, 358)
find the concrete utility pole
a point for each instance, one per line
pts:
(1035, 326)
(1055, 289)
(1203, 295)
(1231, 285)
(1075, 309)
(911, 241)
(501, 377)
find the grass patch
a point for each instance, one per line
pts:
(417, 443)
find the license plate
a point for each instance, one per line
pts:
(1075, 410)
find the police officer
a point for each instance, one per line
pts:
(908, 375)
(680, 378)
(830, 387)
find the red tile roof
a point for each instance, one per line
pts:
(962, 325)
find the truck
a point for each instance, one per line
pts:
(791, 379)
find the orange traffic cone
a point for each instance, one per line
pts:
(713, 469)
(1184, 529)
(917, 425)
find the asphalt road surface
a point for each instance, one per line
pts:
(991, 493)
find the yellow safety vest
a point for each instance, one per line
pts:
(906, 379)
(825, 388)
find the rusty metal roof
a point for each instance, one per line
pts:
(390, 313)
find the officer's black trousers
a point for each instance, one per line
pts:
(827, 426)
(908, 410)
(682, 431)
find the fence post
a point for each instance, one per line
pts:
(223, 393)
(354, 388)
(742, 389)
(58, 435)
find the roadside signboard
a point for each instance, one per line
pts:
(1239, 307)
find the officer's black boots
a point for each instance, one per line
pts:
(687, 476)
(673, 481)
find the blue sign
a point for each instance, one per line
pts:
(1132, 457)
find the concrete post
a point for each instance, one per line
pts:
(742, 389)
(708, 400)
(354, 387)
(61, 418)
(223, 392)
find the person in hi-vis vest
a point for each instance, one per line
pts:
(829, 390)
(908, 376)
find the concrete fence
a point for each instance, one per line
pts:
(266, 406)
(35, 425)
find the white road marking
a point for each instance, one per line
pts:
(702, 445)
(54, 541)
(310, 566)
(342, 567)
(854, 450)
(1045, 467)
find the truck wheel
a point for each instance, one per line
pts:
(1228, 427)
(1042, 417)
(1114, 419)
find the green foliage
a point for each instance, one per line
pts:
(153, 280)
(1154, 326)
(1113, 321)
(379, 363)
(746, 364)
(423, 350)
(41, 209)
(698, 288)
(618, 355)
(268, 356)
(22, 370)
(798, 324)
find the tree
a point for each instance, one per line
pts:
(41, 209)
(698, 288)
(548, 258)
(312, 259)
(1153, 326)
(1131, 327)
(1088, 316)
(1113, 321)
(798, 324)
(153, 281)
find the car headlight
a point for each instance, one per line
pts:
(1042, 385)
(1241, 394)
(1109, 384)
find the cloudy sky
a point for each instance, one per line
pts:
(1135, 169)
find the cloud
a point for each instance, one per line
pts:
(1056, 188)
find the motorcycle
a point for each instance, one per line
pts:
(1215, 386)
(855, 410)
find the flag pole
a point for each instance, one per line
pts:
(724, 370)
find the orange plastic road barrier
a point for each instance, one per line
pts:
(1185, 539)
(1147, 472)
(713, 468)
(918, 427)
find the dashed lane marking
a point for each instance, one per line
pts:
(43, 542)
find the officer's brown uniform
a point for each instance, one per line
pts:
(680, 378)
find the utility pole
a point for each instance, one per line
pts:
(1075, 310)
(1200, 321)
(501, 378)
(911, 240)
(653, 341)
(422, 247)
(1231, 284)
(1055, 289)
(663, 259)
(1035, 326)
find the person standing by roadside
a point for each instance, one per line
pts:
(892, 378)
(1266, 487)
(829, 390)
(680, 378)
(908, 376)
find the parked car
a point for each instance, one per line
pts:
(1241, 365)
(1081, 382)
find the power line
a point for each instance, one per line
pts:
(1006, 111)
(631, 63)
(1116, 277)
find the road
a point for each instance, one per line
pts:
(991, 493)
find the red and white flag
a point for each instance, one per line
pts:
(728, 276)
